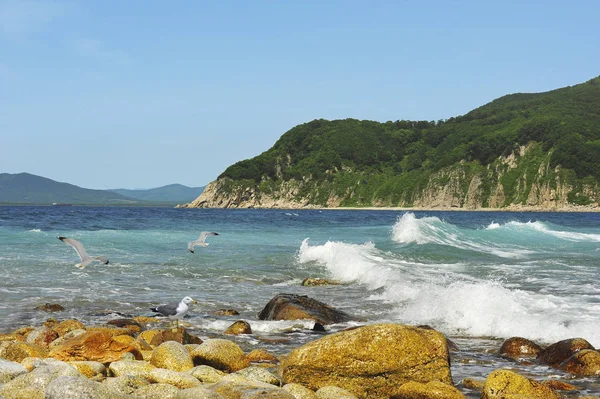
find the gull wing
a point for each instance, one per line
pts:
(166, 310)
(204, 234)
(77, 246)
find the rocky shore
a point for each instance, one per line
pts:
(133, 358)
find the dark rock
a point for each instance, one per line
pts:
(239, 327)
(318, 327)
(178, 335)
(560, 351)
(50, 307)
(294, 307)
(585, 362)
(226, 312)
(517, 348)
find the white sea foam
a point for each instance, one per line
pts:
(446, 298)
(35, 231)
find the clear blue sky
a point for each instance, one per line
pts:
(140, 94)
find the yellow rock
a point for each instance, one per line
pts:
(221, 354)
(68, 325)
(172, 355)
(17, 351)
(95, 346)
(371, 361)
(431, 390)
(502, 383)
(92, 370)
(239, 327)
(586, 363)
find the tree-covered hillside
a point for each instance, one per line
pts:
(393, 159)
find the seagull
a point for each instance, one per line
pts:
(200, 241)
(85, 258)
(175, 311)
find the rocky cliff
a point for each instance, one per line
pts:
(522, 180)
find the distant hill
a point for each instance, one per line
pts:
(25, 188)
(521, 151)
(172, 193)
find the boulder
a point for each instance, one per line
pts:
(112, 331)
(198, 393)
(61, 340)
(17, 351)
(96, 346)
(178, 335)
(157, 391)
(50, 307)
(299, 391)
(431, 390)
(9, 370)
(93, 370)
(11, 338)
(473, 383)
(207, 374)
(42, 336)
(172, 355)
(177, 379)
(518, 348)
(68, 325)
(260, 374)
(79, 387)
(237, 386)
(558, 385)
(371, 361)
(239, 327)
(137, 368)
(333, 392)
(226, 312)
(312, 282)
(261, 356)
(221, 354)
(558, 352)
(33, 385)
(585, 362)
(502, 383)
(129, 324)
(125, 384)
(294, 307)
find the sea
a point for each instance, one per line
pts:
(478, 277)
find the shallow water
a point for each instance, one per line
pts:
(479, 277)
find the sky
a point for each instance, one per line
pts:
(142, 93)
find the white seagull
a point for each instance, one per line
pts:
(175, 311)
(85, 258)
(200, 241)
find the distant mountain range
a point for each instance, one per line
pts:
(25, 188)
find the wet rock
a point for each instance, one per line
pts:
(333, 392)
(206, 374)
(157, 391)
(560, 385)
(79, 387)
(42, 336)
(125, 384)
(50, 322)
(17, 351)
(259, 374)
(138, 368)
(518, 348)
(178, 335)
(112, 331)
(33, 385)
(452, 347)
(501, 383)
(239, 327)
(261, 356)
(370, 361)
(431, 390)
(473, 383)
(299, 391)
(177, 379)
(93, 370)
(172, 355)
(294, 307)
(68, 325)
(9, 370)
(558, 352)
(585, 362)
(318, 327)
(95, 346)
(50, 307)
(226, 312)
(221, 354)
(130, 324)
(312, 282)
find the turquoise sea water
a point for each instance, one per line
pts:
(479, 277)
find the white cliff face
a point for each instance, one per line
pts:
(457, 187)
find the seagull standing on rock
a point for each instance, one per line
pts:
(200, 241)
(85, 258)
(175, 311)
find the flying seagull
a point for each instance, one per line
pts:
(175, 311)
(200, 241)
(85, 258)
